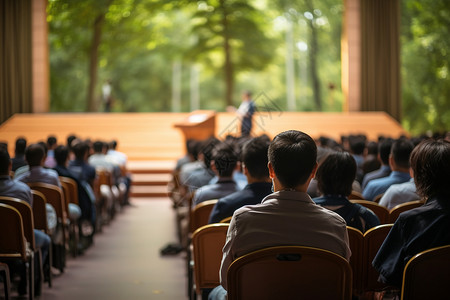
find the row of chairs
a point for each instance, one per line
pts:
(309, 273)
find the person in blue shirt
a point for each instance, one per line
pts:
(335, 177)
(399, 163)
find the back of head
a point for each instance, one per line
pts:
(254, 156)
(384, 149)
(70, 139)
(225, 159)
(98, 146)
(357, 144)
(206, 149)
(401, 151)
(113, 145)
(51, 142)
(5, 161)
(336, 174)
(80, 149)
(61, 155)
(21, 146)
(34, 155)
(430, 162)
(293, 156)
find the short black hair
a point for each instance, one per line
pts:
(430, 162)
(61, 154)
(384, 149)
(98, 146)
(21, 146)
(254, 156)
(206, 149)
(357, 144)
(80, 149)
(34, 154)
(401, 151)
(5, 160)
(336, 174)
(51, 140)
(293, 155)
(225, 158)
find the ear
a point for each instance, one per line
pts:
(271, 171)
(213, 166)
(411, 172)
(244, 169)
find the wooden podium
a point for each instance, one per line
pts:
(199, 125)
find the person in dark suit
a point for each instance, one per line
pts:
(254, 160)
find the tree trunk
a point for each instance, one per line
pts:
(313, 48)
(228, 65)
(93, 62)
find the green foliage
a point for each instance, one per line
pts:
(425, 66)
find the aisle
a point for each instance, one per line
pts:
(125, 263)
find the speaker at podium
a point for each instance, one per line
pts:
(199, 125)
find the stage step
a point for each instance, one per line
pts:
(150, 178)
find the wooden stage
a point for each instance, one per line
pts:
(152, 136)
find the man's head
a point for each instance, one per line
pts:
(292, 158)
(384, 150)
(254, 157)
(35, 155)
(21, 145)
(247, 95)
(5, 161)
(430, 163)
(81, 150)
(98, 146)
(336, 174)
(61, 155)
(51, 142)
(400, 153)
(224, 157)
(357, 144)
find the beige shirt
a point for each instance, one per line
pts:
(283, 218)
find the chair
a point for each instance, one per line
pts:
(4, 273)
(200, 214)
(13, 243)
(373, 239)
(70, 190)
(290, 272)
(354, 195)
(40, 223)
(54, 195)
(397, 210)
(377, 198)
(226, 220)
(207, 242)
(381, 211)
(356, 242)
(427, 274)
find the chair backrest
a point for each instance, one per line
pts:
(54, 195)
(39, 211)
(72, 186)
(290, 272)
(207, 242)
(12, 239)
(381, 211)
(104, 177)
(354, 195)
(356, 243)
(377, 198)
(200, 214)
(397, 210)
(427, 274)
(373, 238)
(27, 217)
(226, 220)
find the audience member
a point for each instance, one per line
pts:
(254, 164)
(52, 142)
(371, 162)
(399, 193)
(421, 228)
(19, 154)
(399, 163)
(384, 150)
(357, 145)
(288, 216)
(19, 190)
(223, 163)
(335, 176)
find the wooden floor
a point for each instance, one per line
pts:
(152, 136)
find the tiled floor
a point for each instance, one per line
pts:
(124, 262)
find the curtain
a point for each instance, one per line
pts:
(15, 58)
(380, 65)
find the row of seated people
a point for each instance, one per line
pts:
(288, 165)
(100, 188)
